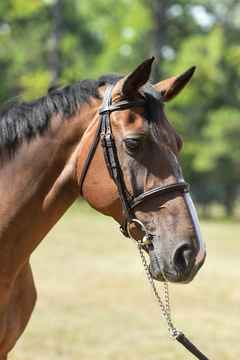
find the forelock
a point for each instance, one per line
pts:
(154, 113)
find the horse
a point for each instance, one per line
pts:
(67, 143)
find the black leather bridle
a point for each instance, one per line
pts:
(104, 131)
(128, 201)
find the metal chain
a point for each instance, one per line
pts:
(164, 308)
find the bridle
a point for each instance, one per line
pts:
(104, 131)
(129, 202)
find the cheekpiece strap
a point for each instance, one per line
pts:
(109, 148)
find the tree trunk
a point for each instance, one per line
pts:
(206, 210)
(54, 54)
(229, 199)
(158, 36)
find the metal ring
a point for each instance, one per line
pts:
(145, 239)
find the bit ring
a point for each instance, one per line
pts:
(145, 240)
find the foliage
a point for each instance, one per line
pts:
(209, 107)
(89, 46)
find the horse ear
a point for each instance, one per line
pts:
(130, 84)
(170, 88)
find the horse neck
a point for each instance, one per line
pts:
(39, 184)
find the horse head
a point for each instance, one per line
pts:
(151, 181)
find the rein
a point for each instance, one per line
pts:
(174, 333)
(104, 132)
(165, 308)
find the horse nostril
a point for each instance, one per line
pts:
(182, 258)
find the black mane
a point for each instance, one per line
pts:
(28, 118)
(32, 117)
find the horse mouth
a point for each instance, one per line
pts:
(163, 270)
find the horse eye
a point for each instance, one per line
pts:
(132, 144)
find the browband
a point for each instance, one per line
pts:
(121, 105)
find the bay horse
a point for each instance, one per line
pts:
(47, 159)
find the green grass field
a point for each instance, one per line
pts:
(94, 301)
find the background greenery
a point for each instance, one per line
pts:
(42, 41)
(95, 303)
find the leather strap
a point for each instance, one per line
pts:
(190, 346)
(182, 186)
(121, 105)
(110, 151)
(90, 156)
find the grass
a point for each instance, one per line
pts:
(94, 301)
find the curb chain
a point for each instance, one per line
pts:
(164, 308)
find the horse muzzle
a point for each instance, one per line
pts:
(181, 266)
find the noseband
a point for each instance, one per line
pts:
(104, 131)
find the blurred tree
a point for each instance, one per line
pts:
(207, 34)
(212, 140)
(23, 46)
(54, 52)
(45, 40)
(171, 26)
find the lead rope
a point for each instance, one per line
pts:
(174, 333)
(164, 308)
